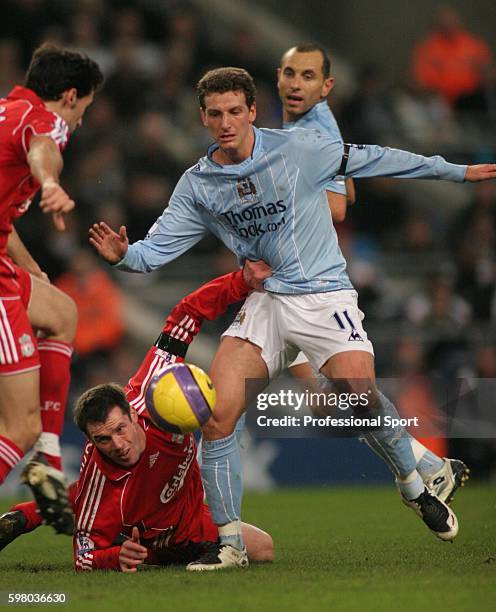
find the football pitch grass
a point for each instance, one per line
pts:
(336, 549)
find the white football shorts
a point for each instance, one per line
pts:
(319, 324)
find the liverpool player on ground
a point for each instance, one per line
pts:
(136, 480)
(35, 123)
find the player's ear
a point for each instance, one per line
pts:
(69, 97)
(203, 116)
(133, 415)
(327, 86)
(253, 112)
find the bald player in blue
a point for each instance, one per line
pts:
(304, 81)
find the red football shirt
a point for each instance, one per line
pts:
(162, 494)
(22, 115)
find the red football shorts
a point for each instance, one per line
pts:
(18, 346)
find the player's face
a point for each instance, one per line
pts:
(119, 438)
(229, 121)
(301, 82)
(75, 107)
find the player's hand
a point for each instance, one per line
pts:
(110, 245)
(255, 272)
(132, 553)
(55, 200)
(480, 172)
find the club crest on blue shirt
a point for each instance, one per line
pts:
(247, 191)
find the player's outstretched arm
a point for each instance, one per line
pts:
(480, 172)
(110, 245)
(213, 298)
(372, 160)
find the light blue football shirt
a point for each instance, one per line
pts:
(321, 118)
(272, 206)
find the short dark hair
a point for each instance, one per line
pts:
(222, 80)
(310, 48)
(54, 70)
(94, 405)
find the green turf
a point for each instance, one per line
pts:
(337, 549)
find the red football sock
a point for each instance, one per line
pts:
(10, 455)
(55, 377)
(30, 511)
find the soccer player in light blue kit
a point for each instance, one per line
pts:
(304, 80)
(261, 192)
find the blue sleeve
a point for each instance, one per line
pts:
(329, 126)
(318, 157)
(372, 160)
(180, 227)
(337, 185)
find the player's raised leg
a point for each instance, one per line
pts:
(235, 361)
(441, 476)
(355, 369)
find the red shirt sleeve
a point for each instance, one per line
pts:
(183, 323)
(45, 124)
(207, 302)
(98, 558)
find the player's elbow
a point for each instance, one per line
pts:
(338, 214)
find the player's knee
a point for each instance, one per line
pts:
(68, 317)
(64, 317)
(220, 425)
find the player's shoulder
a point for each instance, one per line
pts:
(288, 139)
(196, 169)
(276, 134)
(88, 455)
(307, 137)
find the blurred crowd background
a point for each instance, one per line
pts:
(422, 255)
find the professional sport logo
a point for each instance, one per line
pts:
(247, 191)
